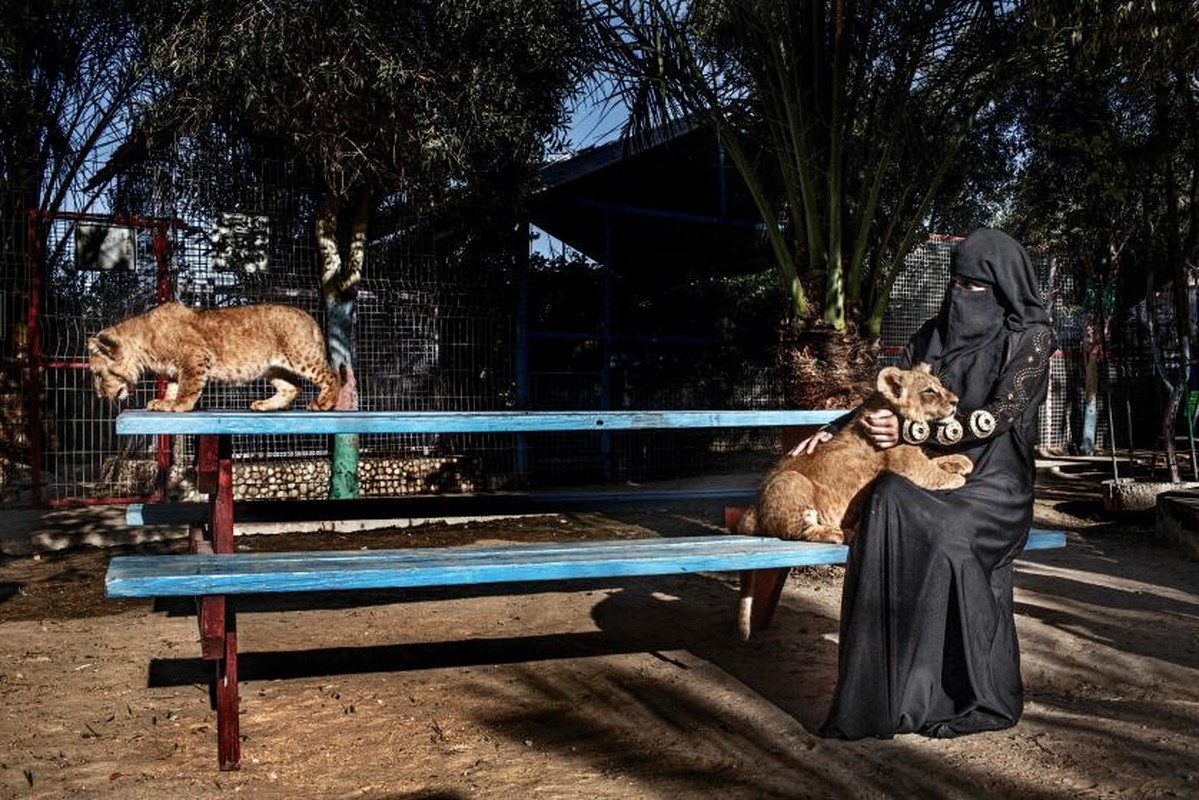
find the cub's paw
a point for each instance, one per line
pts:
(325, 405)
(161, 404)
(956, 464)
(821, 533)
(953, 482)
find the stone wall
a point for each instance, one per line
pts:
(308, 478)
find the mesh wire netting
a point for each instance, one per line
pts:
(433, 331)
(450, 315)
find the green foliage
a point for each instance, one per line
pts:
(373, 94)
(69, 71)
(1112, 174)
(1108, 125)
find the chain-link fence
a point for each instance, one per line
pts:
(435, 329)
(452, 315)
(431, 332)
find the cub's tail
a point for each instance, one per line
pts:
(744, 523)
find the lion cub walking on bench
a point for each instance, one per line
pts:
(235, 345)
(817, 497)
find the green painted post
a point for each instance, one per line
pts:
(343, 458)
(343, 478)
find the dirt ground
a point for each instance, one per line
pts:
(631, 688)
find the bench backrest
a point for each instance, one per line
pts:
(362, 422)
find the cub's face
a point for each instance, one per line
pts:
(916, 394)
(114, 376)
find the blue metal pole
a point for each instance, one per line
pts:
(521, 366)
(606, 365)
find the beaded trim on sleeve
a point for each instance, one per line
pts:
(914, 431)
(949, 431)
(982, 424)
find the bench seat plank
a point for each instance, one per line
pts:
(432, 422)
(243, 573)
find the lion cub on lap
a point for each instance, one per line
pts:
(818, 497)
(235, 345)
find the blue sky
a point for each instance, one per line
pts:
(592, 122)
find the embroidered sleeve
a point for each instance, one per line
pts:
(1023, 382)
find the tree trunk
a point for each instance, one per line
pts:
(1090, 404)
(339, 287)
(824, 368)
(1168, 422)
(1092, 352)
(1179, 285)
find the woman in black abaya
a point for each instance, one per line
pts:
(928, 638)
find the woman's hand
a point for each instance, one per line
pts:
(811, 443)
(882, 428)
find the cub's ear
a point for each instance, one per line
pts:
(103, 345)
(891, 383)
(924, 367)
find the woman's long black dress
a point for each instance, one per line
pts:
(928, 641)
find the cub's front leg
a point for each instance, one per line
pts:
(186, 391)
(956, 463)
(914, 465)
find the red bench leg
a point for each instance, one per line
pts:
(218, 619)
(228, 736)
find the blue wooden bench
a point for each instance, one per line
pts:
(265, 573)
(213, 572)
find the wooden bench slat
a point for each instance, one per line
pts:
(240, 573)
(433, 422)
(459, 566)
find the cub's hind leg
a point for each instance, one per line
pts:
(285, 394)
(787, 509)
(828, 534)
(327, 384)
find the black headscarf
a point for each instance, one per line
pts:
(969, 343)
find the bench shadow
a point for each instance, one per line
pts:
(362, 598)
(792, 665)
(684, 619)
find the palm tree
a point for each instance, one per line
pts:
(68, 75)
(843, 119)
